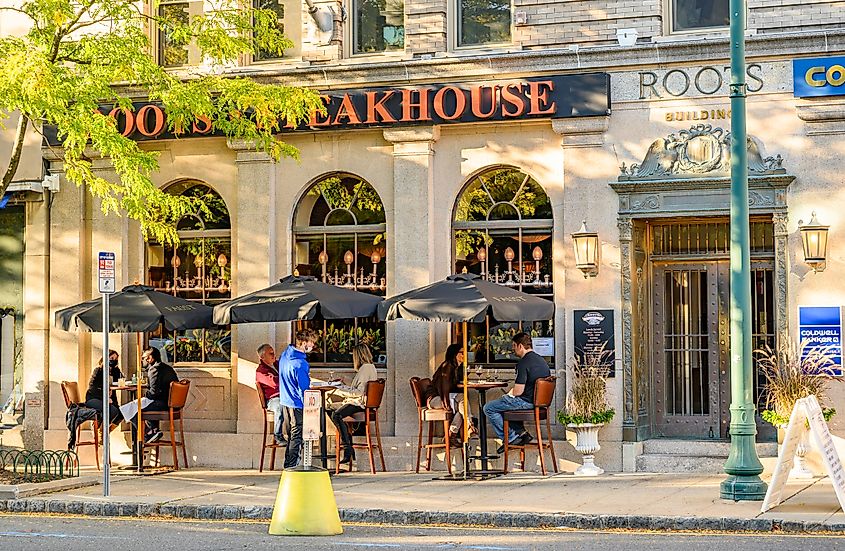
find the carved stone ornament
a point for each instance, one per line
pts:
(700, 151)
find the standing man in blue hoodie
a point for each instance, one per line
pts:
(294, 380)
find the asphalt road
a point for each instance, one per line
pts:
(36, 532)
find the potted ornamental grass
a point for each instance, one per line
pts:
(587, 409)
(793, 372)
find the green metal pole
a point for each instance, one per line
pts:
(743, 466)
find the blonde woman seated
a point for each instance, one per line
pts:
(352, 398)
(444, 387)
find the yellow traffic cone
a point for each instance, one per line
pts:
(305, 505)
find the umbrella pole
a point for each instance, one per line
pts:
(140, 435)
(466, 406)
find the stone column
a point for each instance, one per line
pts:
(411, 260)
(781, 275)
(256, 259)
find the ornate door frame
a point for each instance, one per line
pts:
(684, 175)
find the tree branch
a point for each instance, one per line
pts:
(15, 157)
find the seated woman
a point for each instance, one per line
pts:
(94, 395)
(444, 389)
(353, 397)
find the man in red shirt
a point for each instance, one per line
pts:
(267, 380)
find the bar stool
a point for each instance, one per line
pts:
(272, 445)
(428, 416)
(70, 391)
(375, 393)
(175, 404)
(544, 391)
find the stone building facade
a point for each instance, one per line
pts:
(662, 223)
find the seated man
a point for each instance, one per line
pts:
(160, 375)
(531, 366)
(267, 381)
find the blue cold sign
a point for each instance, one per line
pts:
(818, 76)
(822, 326)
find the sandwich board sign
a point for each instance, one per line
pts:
(807, 410)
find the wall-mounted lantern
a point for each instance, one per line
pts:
(814, 239)
(587, 251)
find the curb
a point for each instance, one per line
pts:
(29, 489)
(382, 516)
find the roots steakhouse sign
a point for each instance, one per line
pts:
(558, 96)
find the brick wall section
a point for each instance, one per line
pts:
(558, 23)
(795, 15)
(425, 26)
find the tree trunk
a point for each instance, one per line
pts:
(15, 156)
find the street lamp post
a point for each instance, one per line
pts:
(743, 466)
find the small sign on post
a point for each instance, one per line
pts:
(105, 272)
(311, 411)
(807, 410)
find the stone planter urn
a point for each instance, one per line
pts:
(799, 467)
(587, 444)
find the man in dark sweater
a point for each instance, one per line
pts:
(159, 375)
(531, 366)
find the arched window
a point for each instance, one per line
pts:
(199, 269)
(502, 231)
(339, 237)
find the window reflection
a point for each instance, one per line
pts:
(379, 25)
(339, 237)
(690, 15)
(197, 269)
(484, 22)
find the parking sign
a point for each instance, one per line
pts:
(105, 272)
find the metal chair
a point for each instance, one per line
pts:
(428, 416)
(70, 391)
(544, 391)
(272, 445)
(175, 404)
(375, 393)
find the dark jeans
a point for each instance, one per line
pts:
(114, 411)
(293, 418)
(346, 410)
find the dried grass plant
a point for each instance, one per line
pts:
(587, 400)
(793, 372)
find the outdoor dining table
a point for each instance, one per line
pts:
(482, 387)
(324, 455)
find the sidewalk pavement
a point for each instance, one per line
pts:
(612, 501)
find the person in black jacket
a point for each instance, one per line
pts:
(94, 395)
(160, 375)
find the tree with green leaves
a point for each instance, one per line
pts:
(79, 55)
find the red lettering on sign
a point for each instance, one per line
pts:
(346, 110)
(421, 106)
(141, 120)
(478, 94)
(129, 120)
(514, 99)
(540, 96)
(206, 125)
(377, 107)
(316, 115)
(460, 103)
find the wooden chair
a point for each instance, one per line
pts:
(70, 391)
(375, 393)
(175, 404)
(544, 391)
(272, 445)
(428, 416)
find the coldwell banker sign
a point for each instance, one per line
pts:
(818, 76)
(821, 326)
(556, 96)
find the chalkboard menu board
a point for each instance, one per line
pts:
(594, 328)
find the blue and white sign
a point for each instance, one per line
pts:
(822, 326)
(818, 76)
(105, 272)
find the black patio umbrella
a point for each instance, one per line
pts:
(465, 298)
(297, 298)
(136, 309)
